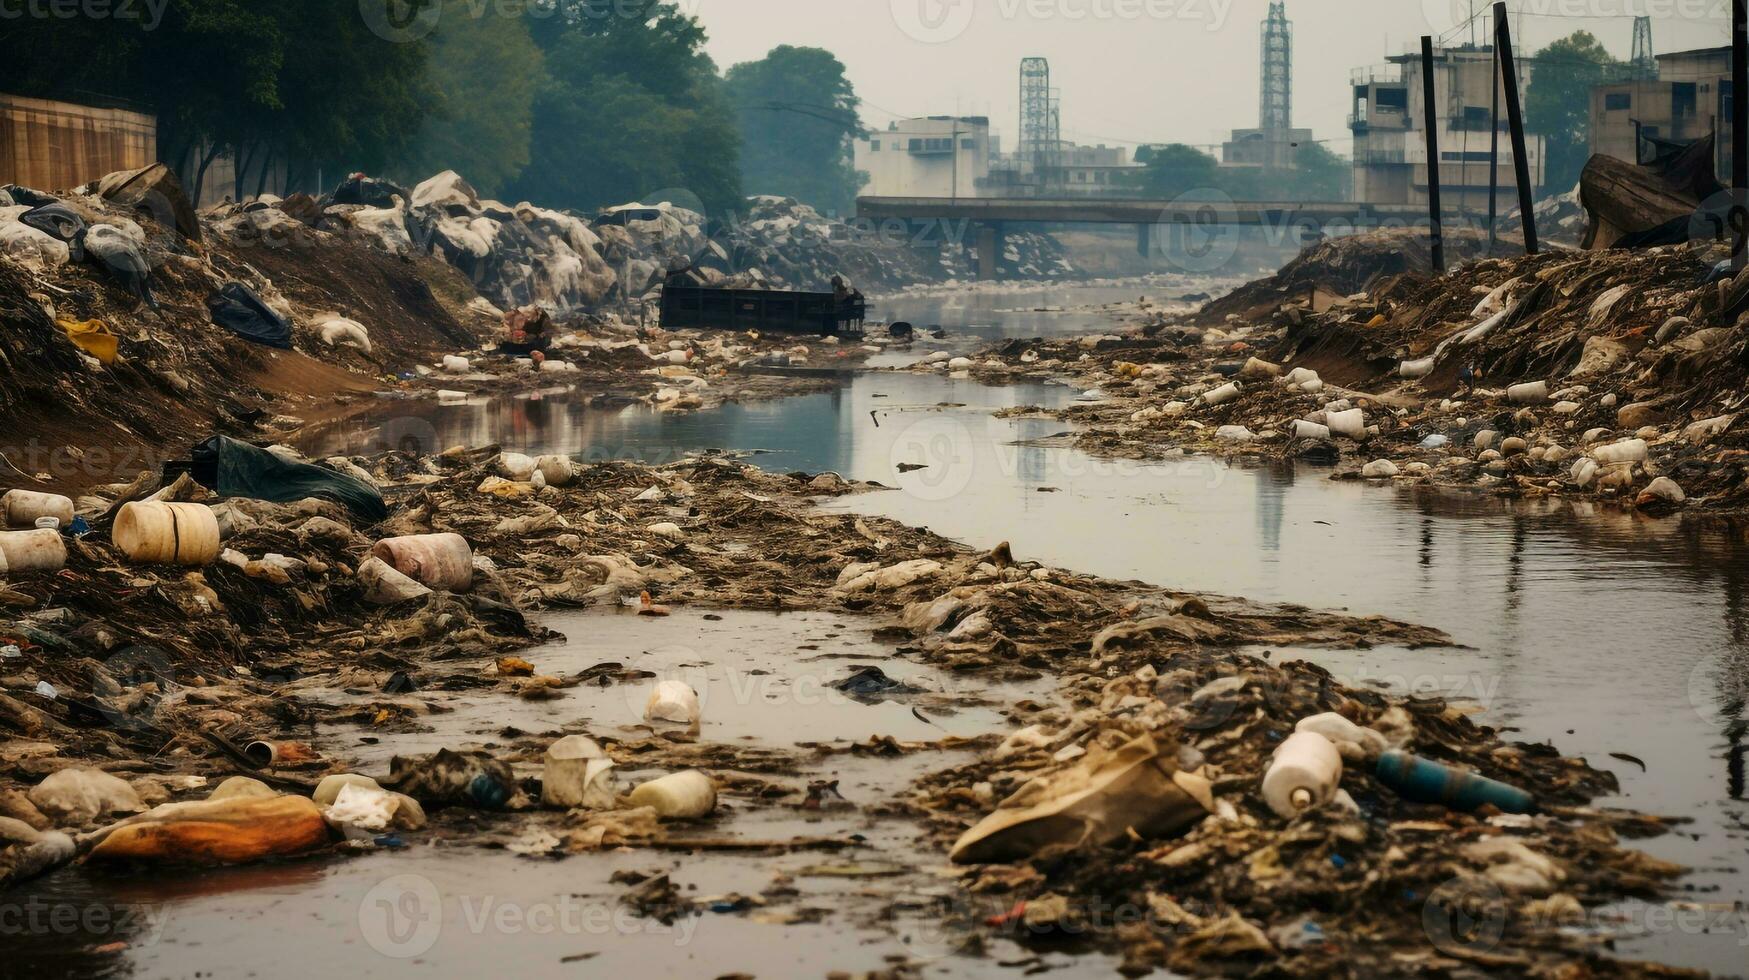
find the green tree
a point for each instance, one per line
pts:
(1558, 105)
(797, 116)
(1173, 170)
(485, 71)
(1169, 171)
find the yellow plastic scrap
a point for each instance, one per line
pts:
(92, 337)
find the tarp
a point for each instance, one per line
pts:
(236, 308)
(1632, 206)
(155, 190)
(236, 469)
(56, 220)
(369, 191)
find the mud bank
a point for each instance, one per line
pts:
(158, 673)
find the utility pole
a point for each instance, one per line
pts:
(1740, 130)
(1432, 126)
(1515, 116)
(1493, 155)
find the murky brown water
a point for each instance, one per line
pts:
(1597, 631)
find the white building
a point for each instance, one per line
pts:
(940, 156)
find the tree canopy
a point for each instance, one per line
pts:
(797, 114)
(1558, 104)
(630, 105)
(1169, 171)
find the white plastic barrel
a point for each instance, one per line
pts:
(1306, 771)
(159, 533)
(383, 586)
(673, 701)
(515, 466)
(24, 507)
(438, 561)
(578, 773)
(682, 795)
(32, 551)
(1310, 430)
(1351, 423)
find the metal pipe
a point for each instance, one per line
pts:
(1432, 128)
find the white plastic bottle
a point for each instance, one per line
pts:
(1307, 771)
(682, 795)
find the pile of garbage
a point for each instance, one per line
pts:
(1616, 373)
(567, 264)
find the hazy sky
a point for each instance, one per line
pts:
(1134, 71)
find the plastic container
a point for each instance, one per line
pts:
(1426, 781)
(457, 365)
(32, 551)
(673, 701)
(578, 773)
(515, 466)
(1306, 772)
(158, 533)
(1351, 423)
(23, 508)
(437, 561)
(559, 471)
(383, 586)
(1534, 393)
(1337, 728)
(1625, 451)
(1310, 430)
(1220, 396)
(1416, 369)
(681, 796)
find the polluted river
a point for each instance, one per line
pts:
(1615, 637)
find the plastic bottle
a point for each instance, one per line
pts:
(32, 551)
(1625, 451)
(457, 365)
(682, 795)
(1310, 430)
(1426, 781)
(437, 561)
(1336, 728)
(1220, 396)
(1306, 772)
(24, 507)
(158, 533)
(1534, 393)
(1416, 369)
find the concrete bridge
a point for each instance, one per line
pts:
(987, 216)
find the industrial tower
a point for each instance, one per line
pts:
(1645, 62)
(1277, 113)
(1040, 132)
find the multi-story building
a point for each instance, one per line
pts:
(937, 156)
(1390, 129)
(1690, 98)
(1275, 143)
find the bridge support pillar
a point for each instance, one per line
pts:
(1145, 241)
(990, 244)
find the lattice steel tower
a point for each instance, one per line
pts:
(1645, 62)
(1277, 88)
(1040, 130)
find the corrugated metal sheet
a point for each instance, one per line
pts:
(59, 145)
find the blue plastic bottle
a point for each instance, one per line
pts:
(1426, 781)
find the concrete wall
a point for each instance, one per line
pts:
(914, 159)
(59, 145)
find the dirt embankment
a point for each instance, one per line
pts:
(1614, 374)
